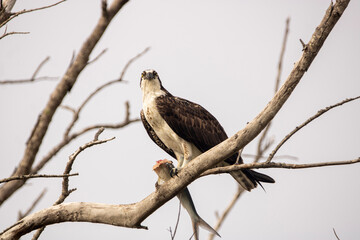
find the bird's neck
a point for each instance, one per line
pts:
(152, 90)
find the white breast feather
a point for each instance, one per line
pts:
(161, 128)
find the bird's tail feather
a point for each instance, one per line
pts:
(244, 179)
(260, 177)
(247, 178)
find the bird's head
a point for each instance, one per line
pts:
(150, 79)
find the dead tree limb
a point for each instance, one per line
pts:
(318, 114)
(61, 90)
(228, 169)
(33, 78)
(7, 16)
(65, 191)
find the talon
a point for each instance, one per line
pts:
(174, 172)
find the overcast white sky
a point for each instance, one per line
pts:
(220, 54)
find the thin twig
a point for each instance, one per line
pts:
(12, 33)
(45, 78)
(13, 15)
(69, 137)
(65, 191)
(275, 157)
(337, 237)
(230, 206)
(282, 53)
(131, 61)
(33, 77)
(231, 168)
(97, 57)
(36, 176)
(65, 185)
(97, 90)
(75, 135)
(33, 205)
(261, 149)
(39, 67)
(318, 114)
(172, 235)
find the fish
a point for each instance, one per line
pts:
(162, 168)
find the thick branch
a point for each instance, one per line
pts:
(56, 98)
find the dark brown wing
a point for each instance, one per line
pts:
(195, 124)
(191, 122)
(153, 135)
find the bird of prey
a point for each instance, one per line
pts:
(185, 129)
(163, 168)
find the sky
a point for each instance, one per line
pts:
(220, 54)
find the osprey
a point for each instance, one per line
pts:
(185, 129)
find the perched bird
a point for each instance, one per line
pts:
(162, 168)
(185, 129)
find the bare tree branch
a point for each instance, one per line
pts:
(66, 140)
(97, 57)
(120, 79)
(261, 147)
(4, 180)
(14, 15)
(69, 137)
(231, 168)
(337, 237)
(227, 210)
(33, 77)
(12, 33)
(65, 191)
(318, 114)
(172, 235)
(61, 90)
(275, 157)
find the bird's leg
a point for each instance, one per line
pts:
(182, 160)
(174, 171)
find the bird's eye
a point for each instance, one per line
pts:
(155, 74)
(143, 74)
